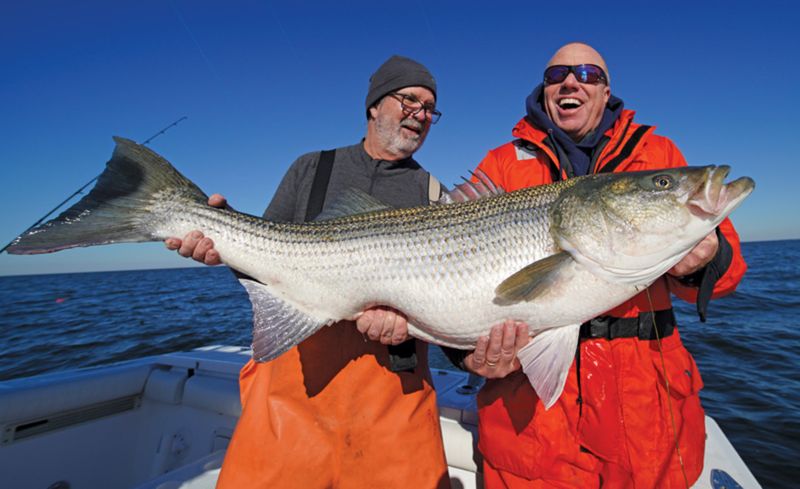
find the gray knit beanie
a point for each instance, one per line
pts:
(396, 73)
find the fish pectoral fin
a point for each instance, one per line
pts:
(526, 284)
(546, 361)
(277, 326)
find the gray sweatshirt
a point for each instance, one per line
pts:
(402, 183)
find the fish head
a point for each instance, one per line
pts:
(633, 227)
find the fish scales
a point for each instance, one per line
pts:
(400, 258)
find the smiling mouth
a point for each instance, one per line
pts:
(569, 103)
(416, 129)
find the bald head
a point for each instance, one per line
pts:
(576, 107)
(577, 53)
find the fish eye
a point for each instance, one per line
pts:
(663, 181)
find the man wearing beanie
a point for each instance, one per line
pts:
(353, 405)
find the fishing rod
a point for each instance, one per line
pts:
(164, 130)
(87, 184)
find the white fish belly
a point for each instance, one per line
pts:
(448, 297)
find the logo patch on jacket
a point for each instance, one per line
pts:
(524, 150)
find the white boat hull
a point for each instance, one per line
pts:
(164, 422)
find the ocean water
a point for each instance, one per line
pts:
(748, 351)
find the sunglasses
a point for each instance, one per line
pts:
(591, 74)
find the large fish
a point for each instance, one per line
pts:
(454, 269)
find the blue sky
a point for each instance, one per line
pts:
(262, 83)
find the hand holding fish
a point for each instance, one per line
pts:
(698, 257)
(383, 324)
(194, 244)
(495, 356)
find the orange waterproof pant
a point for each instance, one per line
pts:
(330, 414)
(619, 435)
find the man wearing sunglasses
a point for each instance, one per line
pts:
(339, 410)
(632, 392)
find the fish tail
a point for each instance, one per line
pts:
(129, 204)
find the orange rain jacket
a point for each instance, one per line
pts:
(612, 429)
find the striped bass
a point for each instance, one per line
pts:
(454, 269)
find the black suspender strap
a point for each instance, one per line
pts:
(320, 186)
(616, 146)
(402, 357)
(626, 150)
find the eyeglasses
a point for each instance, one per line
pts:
(412, 106)
(591, 74)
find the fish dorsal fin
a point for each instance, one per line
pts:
(526, 284)
(479, 187)
(350, 202)
(277, 326)
(546, 361)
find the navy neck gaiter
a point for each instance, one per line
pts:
(579, 154)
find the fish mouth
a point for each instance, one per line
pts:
(713, 197)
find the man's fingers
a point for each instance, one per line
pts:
(189, 243)
(382, 324)
(494, 350)
(522, 336)
(399, 329)
(196, 246)
(698, 257)
(495, 356)
(400, 333)
(363, 322)
(217, 200)
(386, 327)
(394, 328)
(376, 327)
(212, 257)
(203, 246)
(172, 243)
(709, 247)
(507, 350)
(389, 324)
(479, 355)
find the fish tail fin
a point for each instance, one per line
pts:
(277, 326)
(127, 205)
(546, 361)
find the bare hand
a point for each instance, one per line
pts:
(495, 356)
(194, 244)
(383, 324)
(698, 257)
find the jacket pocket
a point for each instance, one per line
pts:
(677, 372)
(681, 410)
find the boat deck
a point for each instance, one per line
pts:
(164, 422)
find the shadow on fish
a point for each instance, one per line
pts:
(454, 269)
